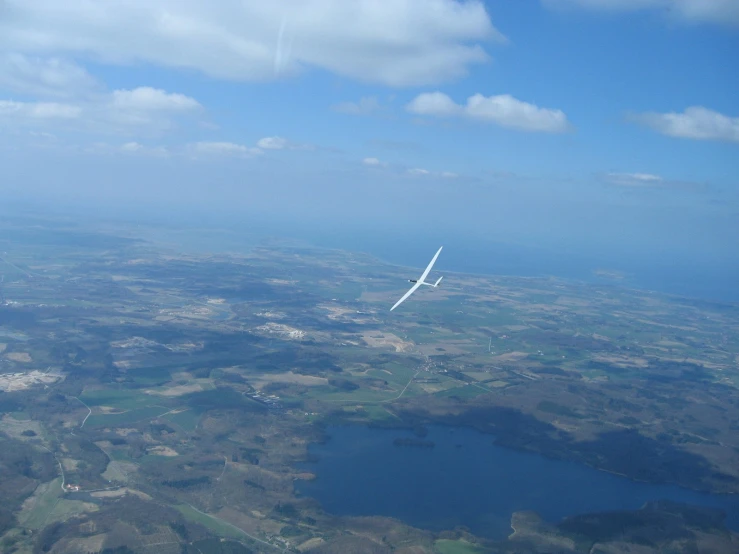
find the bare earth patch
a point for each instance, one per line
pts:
(310, 544)
(162, 451)
(125, 431)
(88, 544)
(280, 330)
(70, 464)
(110, 410)
(247, 523)
(622, 361)
(432, 388)
(510, 357)
(19, 381)
(377, 339)
(120, 492)
(19, 356)
(15, 427)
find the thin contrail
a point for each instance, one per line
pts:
(278, 52)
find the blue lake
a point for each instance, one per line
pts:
(467, 480)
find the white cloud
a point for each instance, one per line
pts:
(43, 135)
(272, 143)
(400, 169)
(696, 122)
(420, 172)
(725, 12)
(44, 77)
(651, 181)
(131, 147)
(141, 110)
(201, 150)
(434, 103)
(281, 143)
(38, 110)
(396, 43)
(147, 98)
(224, 149)
(503, 110)
(634, 179)
(366, 106)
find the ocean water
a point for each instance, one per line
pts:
(692, 274)
(466, 480)
(708, 279)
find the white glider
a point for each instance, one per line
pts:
(420, 281)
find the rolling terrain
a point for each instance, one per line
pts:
(151, 397)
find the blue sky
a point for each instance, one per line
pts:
(570, 124)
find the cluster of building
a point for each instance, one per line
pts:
(271, 400)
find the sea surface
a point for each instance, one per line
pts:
(693, 274)
(467, 480)
(714, 280)
(703, 278)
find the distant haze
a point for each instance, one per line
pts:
(579, 133)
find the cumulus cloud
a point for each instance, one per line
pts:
(503, 110)
(396, 43)
(404, 170)
(131, 147)
(68, 97)
(147, 98)
(420, 172)
(649, 181)
(224, 149)
(233, 149)
(696, 122)
(38, 110)
(725, 12)
(272, 143)
(366, 106)
(143, 109)
(634, 179)
(434, 103)
(43, 77)
(281, 143)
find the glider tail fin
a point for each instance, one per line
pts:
(436, 284)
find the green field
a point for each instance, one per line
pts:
(328, 394)
(213, 523)
(187, 420)
(150, 375)
(37, 517)
(122, 399)
(468, 391)
(398, 375)
(125, 418)
(378, 413)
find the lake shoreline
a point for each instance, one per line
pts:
(335, 444)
